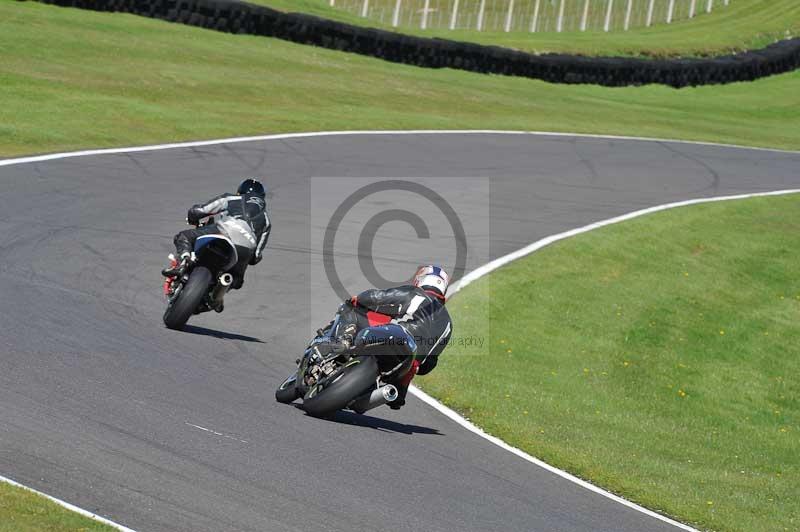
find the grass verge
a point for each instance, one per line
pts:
(657, 358)
(742, 25)
(22, 510)
(73, 79)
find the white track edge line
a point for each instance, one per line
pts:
(455, 416)
(69, 506)
(194, 144)
(502, 261)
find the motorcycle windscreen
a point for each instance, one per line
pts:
(215, 252)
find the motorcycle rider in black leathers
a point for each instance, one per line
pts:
(418, 307)
(242, 217)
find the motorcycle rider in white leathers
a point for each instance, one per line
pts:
(241, 217)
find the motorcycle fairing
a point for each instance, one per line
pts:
(216, 252)
(238, 230)
(376, 318)
(393, 348)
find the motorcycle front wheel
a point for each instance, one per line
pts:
(287, 391)
(181, 309)
(353, 381)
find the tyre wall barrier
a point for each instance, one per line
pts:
(243, 18)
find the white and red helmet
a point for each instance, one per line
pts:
(432, 278)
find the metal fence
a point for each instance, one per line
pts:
(528, 15)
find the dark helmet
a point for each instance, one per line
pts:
(251, 187)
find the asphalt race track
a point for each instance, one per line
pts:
(103, 407)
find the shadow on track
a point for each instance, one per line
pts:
(194, 329)
(360, 420)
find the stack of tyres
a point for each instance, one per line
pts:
(240, 17)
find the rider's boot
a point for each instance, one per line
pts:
(175, 265)
(402, 387)
(344, 342)
(169, 279)
(175, 268)
(348, 334)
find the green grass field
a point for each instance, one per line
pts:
(658, 358)
(74, 79)
(24, 511)
(743, 25)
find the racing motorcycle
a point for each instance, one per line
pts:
(202, 284)
(356, 378)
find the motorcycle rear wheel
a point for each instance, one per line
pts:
(354, 381)
(190, 297)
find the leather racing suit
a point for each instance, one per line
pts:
(243, 219)
(420, 312)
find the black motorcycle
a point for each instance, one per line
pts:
(202, 284)
(356, 378)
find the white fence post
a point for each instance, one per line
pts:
(607, 25)
(534, 24)
(585, 16)
(560, 21)
(535, 19)
(628, 11)
(481, 11)
(333, 2)
(396, 14)
(509, 15)
(453, 15)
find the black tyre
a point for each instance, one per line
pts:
(352, 382)
(193, 292)
(287, 391)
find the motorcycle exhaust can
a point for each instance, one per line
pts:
(224, 283)
(385, 394)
